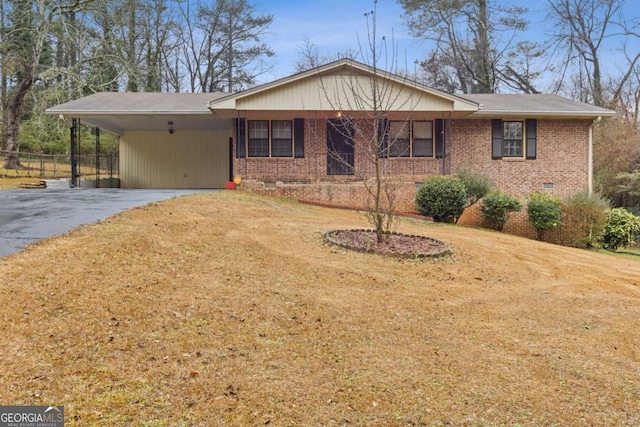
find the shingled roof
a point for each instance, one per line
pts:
(119, 111)
(538, 105)
(139, 102)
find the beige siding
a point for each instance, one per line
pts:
(184, 159)
(336, 93)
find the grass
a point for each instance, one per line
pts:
(35, 171)
(17, 182)
(228, 309)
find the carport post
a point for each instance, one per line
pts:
(97, 157)
(74, 161)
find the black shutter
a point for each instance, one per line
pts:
(241, 138)
(440, 138)
(383, 135)
(532, 136)
(496, 139)
(298, 138)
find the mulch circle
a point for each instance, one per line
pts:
(397, 245)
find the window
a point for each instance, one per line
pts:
(399, 139)
(410, 139)
(422, 139)
(281, 143)
(258, 138)
(512, 141)
(277, 143)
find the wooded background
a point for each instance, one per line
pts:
(56, 51)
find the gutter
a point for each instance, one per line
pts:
(543, 114)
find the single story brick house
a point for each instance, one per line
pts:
(295, 137)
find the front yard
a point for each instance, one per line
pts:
(229, 309)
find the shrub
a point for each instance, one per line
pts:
(584, 216)
(476, 185)
(497, 206)
(441, 197)
(544, 212)
(620, 230)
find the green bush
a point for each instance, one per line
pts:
(584, 217)
(544, 212)
(441, 197)
(477, 185)
(620, 230)
(497, 206)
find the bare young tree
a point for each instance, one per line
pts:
(364, 102)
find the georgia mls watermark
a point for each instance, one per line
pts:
(31, 416)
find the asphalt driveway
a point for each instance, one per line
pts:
(27, 216)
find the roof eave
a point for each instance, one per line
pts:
(88, 113)
(545, 114)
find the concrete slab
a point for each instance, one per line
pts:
(27, 216)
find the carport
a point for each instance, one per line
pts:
(166, 140)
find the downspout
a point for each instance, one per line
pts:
(449, 134)
(590, 156)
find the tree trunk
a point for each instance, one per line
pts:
(13, 117)
(598, 97)
(483, 69)
(132, 84)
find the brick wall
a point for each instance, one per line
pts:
(562, 157)
(560, 168)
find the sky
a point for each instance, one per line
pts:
(335, 25)
(331, 25)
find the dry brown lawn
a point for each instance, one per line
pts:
(31, 176)
(228, 309)
(17, 182)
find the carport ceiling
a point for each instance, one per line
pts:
(116, 112)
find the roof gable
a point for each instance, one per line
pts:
(341, 85)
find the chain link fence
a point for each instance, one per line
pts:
(56, 166)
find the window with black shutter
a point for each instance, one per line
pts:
(514, 139)
(404, 138)
(275, 138)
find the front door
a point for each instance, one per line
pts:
(339, 147)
